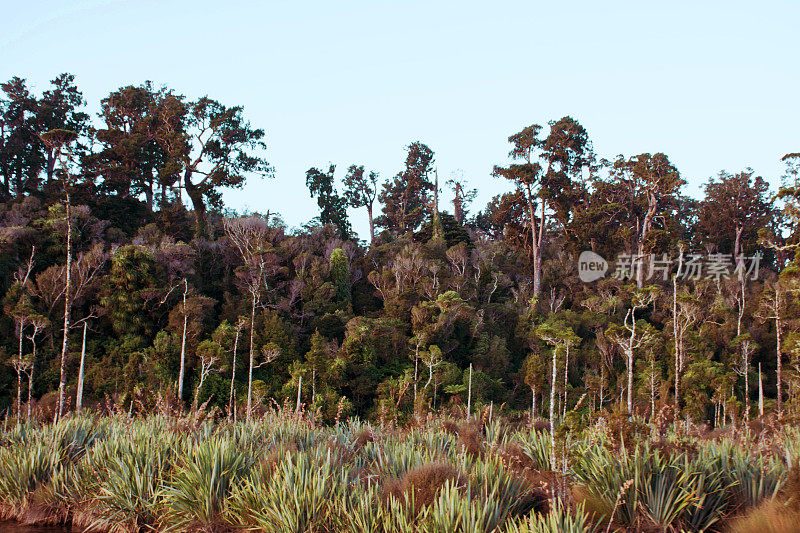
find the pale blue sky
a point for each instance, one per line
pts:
(713, 84)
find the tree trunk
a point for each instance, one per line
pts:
(778, 348)
(79, 395)
(62, 382)
(533, 403)
(760, 393)
(553, 463)
(746, 388)
(737, 244)
(469, 394)
(51, 164)
(148, 195)
(629, 356)
(196, 196)
(183, 344)
(233, 373)
(566, 378)
(30, 378)
(19, 393)
(371, 224)
(299, 391)
(535, 252)
(675, 333)
(19, 372)
(250, 370)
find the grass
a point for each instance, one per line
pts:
(284, 473)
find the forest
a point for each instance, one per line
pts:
(124, 278)
(593, 349)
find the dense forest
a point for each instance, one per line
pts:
(125, 279)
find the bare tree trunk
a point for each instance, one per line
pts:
(299, 390)
(62, 382)
(652, 391)
(250, 369)
(19, 394)
(760, 393)
(19, 371)
(629, 356)
(30, 379)
(747, 390)
(233, 372)
(533, 403)
(566, 377)
(79, 395)
(737, 243)
(675, 333)
(553, 463)
(469, 394)
(778, 349)
(371, 224)
(183, 344)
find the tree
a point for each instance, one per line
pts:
(745, 346)
(219, 150)
(686, 312)
(406, 198)
(773, 306)
(209, 352)
(21, 157)
(182, 367)
(58, 109)
(38, 323)
(141, 143)
(562, 154)
(645, 187)
(251, 237)
(340, 274)
(462, 197)
(628, 339)
(59, 141)
(23, 119)
(561, 337)
(241, 323)
(360, 190)
(332, 207)
(735, 208)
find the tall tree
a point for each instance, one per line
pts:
(462, 197)
(632, 335)
(548, 168)
(220, 150)
(59, 142)
(646, 188)
(23, 118)
(21, 154)
(58, 108)
(141, 144)
(332, 207)
(360, 190)
(406, 198)
(561, 337)
(735, 208)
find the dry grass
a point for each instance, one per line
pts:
(770, 517)
(421, 484)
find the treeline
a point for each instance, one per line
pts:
(112, 288)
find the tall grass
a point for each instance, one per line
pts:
(285, 474)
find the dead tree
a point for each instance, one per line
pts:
(251, 237)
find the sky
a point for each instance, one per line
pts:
(714, 85)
